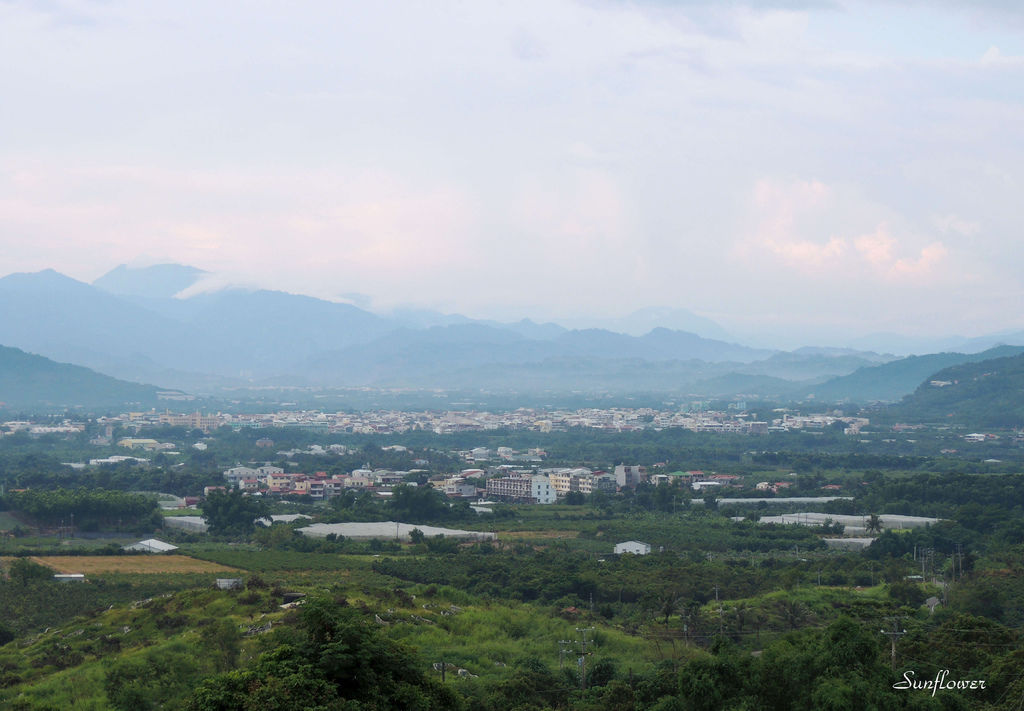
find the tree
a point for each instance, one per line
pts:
(340, 662)
(232, 512)
(23, 570)
(873, 524)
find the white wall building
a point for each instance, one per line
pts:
(541, 490)
(634, 547)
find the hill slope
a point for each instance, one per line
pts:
(891, 381)
(989, 393)
(28, 380)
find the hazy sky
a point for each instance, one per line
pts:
(791, 166)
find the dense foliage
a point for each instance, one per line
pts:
(87, 510)
(337, 662)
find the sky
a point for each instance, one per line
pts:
(807, 169)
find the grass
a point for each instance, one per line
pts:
(7, 521)
(270, 561)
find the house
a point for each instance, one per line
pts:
(137, 443)
(457, 488)
(634, 547)
(236, 474)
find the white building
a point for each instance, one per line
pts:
(634, 547)
(457, 488)
(541, 490)
(701, 485)
(151, 545)
(627, 477)
(236, 474)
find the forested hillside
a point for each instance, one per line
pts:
(28, 380)
(989, 393)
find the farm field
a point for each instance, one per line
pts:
(92, 564)
(516, 535)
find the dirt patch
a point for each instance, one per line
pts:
(515, 535)
(90, 564)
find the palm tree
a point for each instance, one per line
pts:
(794, 612)
(742, 612)
(668, 605)
(873, 524)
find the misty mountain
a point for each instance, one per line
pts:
(985, 393)
(158, 281)
(891, 381)
(68, 320)
(911, 345)
(404, 357)
(33, 382)
(646, 320)
(423, 318)
(234, 337)
(745, 385)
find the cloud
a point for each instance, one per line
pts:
(954, 224)
(878, 248)
(803, 225)
(589, 155)
(993, 58)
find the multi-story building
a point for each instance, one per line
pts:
(596, 482)
(627, 477)
(457, 488)
(535, 489)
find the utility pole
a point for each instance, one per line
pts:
(895, 634)
(583, 656)
(564, 646)
(721, 621)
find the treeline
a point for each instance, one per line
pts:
(944, 495)
(553, 576)
(809, 461)
(86, 510)
(31, 470)
(409, 504)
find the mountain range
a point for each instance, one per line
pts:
(146, 325)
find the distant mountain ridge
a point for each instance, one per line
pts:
(32, 381)
(132, 328)
(158, 281)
